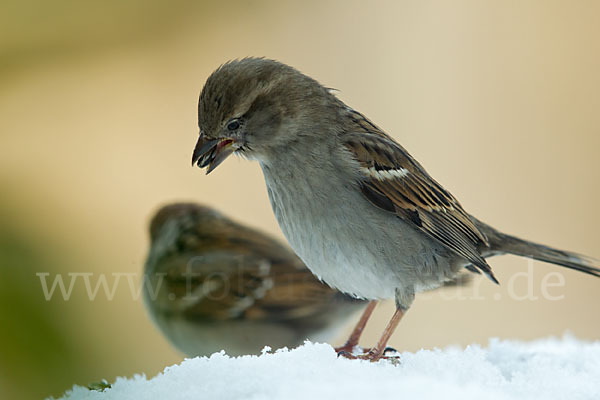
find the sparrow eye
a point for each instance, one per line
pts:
(233, 125)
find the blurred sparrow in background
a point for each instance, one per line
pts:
(356, 207)
(212, 284)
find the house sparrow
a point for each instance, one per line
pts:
(212, 284)
(358, 209)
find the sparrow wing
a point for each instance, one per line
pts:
(241, 274)
(395, 182)
(225, 286)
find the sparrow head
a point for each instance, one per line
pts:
(179, 217)
(252, 107)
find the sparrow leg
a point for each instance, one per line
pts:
(346, 349)
(404, 299)
(378, 351)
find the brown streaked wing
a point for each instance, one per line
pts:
(224, 286)
(396, 182)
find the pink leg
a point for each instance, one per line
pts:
(358, 330)
(377, 352)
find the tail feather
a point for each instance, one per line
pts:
(502, 243)
(541, 252)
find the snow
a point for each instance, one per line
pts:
(544, 369)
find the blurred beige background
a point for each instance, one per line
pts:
(498, 100)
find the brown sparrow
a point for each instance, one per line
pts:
(358, 209)
(213, 284)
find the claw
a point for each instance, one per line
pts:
(371, 355)
(347, 355)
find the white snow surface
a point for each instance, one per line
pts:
(544, 369)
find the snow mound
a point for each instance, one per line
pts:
(544, 369)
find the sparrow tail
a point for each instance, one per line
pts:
(501, 243)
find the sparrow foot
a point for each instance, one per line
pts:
(370, 354)
(347, 348)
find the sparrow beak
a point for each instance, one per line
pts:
(212, 152)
